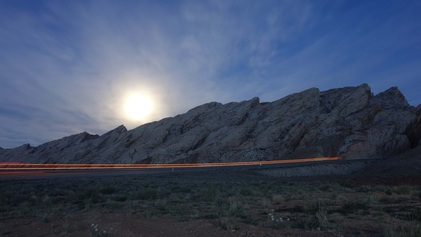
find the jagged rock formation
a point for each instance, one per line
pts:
(349, 122)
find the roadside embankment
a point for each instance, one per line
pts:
(343, 167)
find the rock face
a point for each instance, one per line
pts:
(349, 122)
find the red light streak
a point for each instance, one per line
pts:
(24, 166)
(22, 173)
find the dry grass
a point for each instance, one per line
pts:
(331, 207)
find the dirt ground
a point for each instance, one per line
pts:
(123, 224)
(213, 203)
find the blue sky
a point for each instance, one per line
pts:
(65, 66)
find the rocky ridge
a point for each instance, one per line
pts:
(348, 122)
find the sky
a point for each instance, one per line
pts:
(71, 66)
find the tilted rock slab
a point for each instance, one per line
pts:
(348, 122)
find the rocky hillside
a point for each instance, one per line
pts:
(349, 122)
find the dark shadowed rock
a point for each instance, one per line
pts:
(391, 98)
(349, 122)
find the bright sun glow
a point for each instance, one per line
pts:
(138, 106)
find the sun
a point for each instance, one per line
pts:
(138, 106)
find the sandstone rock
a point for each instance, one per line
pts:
(349, 122)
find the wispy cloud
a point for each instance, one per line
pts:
(65, 66)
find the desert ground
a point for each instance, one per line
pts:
(215, 202)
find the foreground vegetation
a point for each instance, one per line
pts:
(338, 208)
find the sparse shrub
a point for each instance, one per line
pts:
(110, 206)
(415, 214)
(334, 196)
(211, 216)
(305, 224)
(46, 218)
(108, 190)
(384, 198)
(278, 199)
(149, 194)
(119, 198)
(246, 191)
(236, 206)
(70, 227)
(46, 201)
(352, 207)
(319, 206)
(181, 189)
(363, 189)
(226, 223)
(297, 208)
(265, 202)
(162, 205)
(348, 185)
(387, 231)
(319, 210)
(389, 191)
(176, 198)
(325, 188)
(403, 190)
(373, 198)
(83, 196)
(248, 220)
(411, 231)
(210, 194)
(322, 220)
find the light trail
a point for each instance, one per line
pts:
(22, 173)
(4, 166)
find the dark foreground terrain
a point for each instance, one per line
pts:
(377, 201)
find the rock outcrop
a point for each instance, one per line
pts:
(349, 122)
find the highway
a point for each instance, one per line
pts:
(9, 170)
